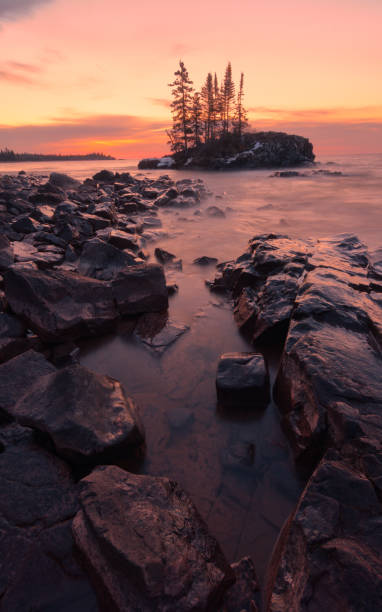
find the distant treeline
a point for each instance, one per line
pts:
(6, 155)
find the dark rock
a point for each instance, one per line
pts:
(6, 253)
(104, 176)
(120, 239)
(145, 546)
(215, 211)
(63, 181)
(148, 163)
(329, 552)
(103, 261)
(25, 225)
(288, 174)
(18, 376)
(205, 261)
(60, 304)
(244, 595)
(163, 256)
(38, 570)
(87, 416)
(242, 379)
(139, 289)
(172, 289)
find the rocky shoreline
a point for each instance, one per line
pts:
(80, 533)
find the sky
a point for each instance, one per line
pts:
(78, 76)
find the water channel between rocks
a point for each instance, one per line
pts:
(235, 464)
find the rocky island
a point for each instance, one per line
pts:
(254, 151)
(79, 529)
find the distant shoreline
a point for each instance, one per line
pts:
(11, 156)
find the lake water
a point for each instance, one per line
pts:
(236, 465)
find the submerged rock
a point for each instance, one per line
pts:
(242, 379)
(204, 260)
(145, 546)
(87, 417)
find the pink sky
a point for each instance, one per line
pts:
(85, 75)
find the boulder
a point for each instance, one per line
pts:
(328, 556)
(242, 379)
(17, 377)
(104, 176)
(63, 181)
(148, 163)
(60, 305)
(103, 261)
(6, 253)
(244, 595)
(87, 417)
(38, 570)
(145, 545)
(141, 288)
(163, 256)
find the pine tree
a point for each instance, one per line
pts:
(181, 108)
(241, 119)
(207, 96)
(217, 107)
(228, 97)
(196, 120)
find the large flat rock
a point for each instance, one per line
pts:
(329, 554)
(145, 545)
(88, 417)
(60, 304)
(38, 570)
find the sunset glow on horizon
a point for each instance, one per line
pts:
(89, 75)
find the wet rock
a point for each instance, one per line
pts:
(6, 253)
(145, 545)
(242, 379)
(120, 239)
(205, 261)
(329, 552)
(164, 256)
(18, 375)
(104, 176)
(60, 304)
(38, 570)
(13, 340)
(139, 289)
(64, 181)
(103, 261)
(148, 163)
(87, 417)
(244, 595)
(25, 225)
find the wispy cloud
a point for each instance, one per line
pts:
(24, 67)
(318, 115)
(19, 73)
(13, 9)
(160, 102)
